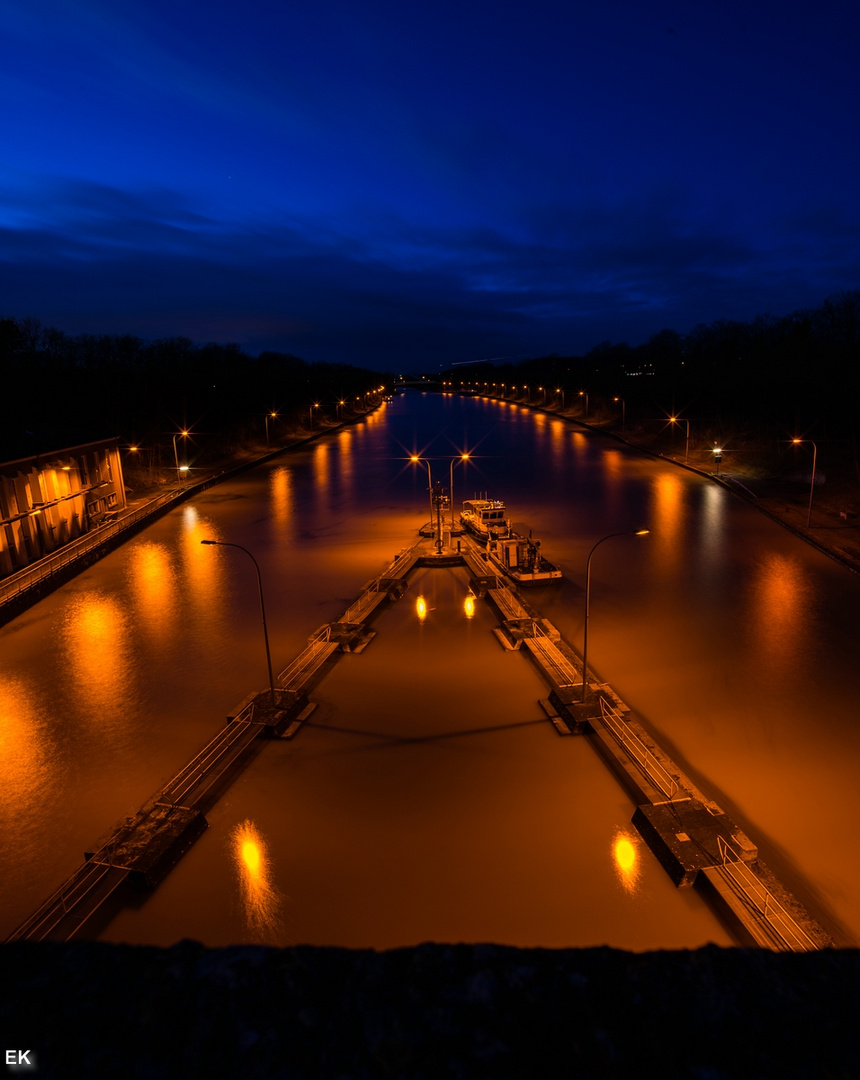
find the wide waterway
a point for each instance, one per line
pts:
(428, 798)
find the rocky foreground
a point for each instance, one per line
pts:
(434, 1011)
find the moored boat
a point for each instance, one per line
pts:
(516, 554)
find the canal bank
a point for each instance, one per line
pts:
(21, 590)
(837, 529)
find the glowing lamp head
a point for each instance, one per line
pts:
(642, 532)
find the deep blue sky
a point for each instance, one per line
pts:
(404, 185)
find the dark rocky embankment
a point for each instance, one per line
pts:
(434, 1011)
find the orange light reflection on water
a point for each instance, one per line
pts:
(667, 517)
(625, 855)
(201, 573)
(25, 761)
(154, 585)
(781, 617)
(97, 634)
(261, 902)
(281, 484)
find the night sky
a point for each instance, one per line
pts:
(404, 186)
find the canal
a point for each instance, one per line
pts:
(428, 798)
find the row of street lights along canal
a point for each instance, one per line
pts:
(183, 470)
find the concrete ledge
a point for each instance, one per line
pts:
(683, 835)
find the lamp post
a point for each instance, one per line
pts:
(560, 391)
(623, 411)
(273, 415)
(415, 459)
(797, 442)
(184, 468)
(582, 393)
(311, 411)
(462, 457)
(678, 420)
(222, 543)
(630, 532)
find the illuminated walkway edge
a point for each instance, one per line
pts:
(691, 836)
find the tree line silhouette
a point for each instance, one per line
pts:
(791, 375)
(66, 389)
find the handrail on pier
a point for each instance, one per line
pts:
(643, 757)
(752, 890)
(307, 661)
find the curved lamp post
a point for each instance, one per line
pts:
(629, 532)
(415, 459)
(221, 543)
(273, 416)
(179, 468)
(797, 442)
(678, 420)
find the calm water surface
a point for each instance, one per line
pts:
(428, 798)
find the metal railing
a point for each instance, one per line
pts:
(372, 594)
(568, 674)
(64, 901)
(49, 565)
(640, 753)
(305, 664)
(756, 895)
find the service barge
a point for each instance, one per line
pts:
(517, 556)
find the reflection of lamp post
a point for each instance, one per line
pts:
(637, 532)
(415, 459)
(678, 420)
(184, 468)
(462, 457)
(797, 442)
(221, 543)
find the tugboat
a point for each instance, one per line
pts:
(516, 555)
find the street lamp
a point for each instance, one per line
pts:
(274, 416)
(311, 411)
(179, 469)
(221, 543)
(415, 459)
(623, 411)
(560, 391)
(797, 442)
(637, 532)
(582, 393)
(678, 420)
(462, 457)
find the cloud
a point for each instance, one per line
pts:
(384, 292)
